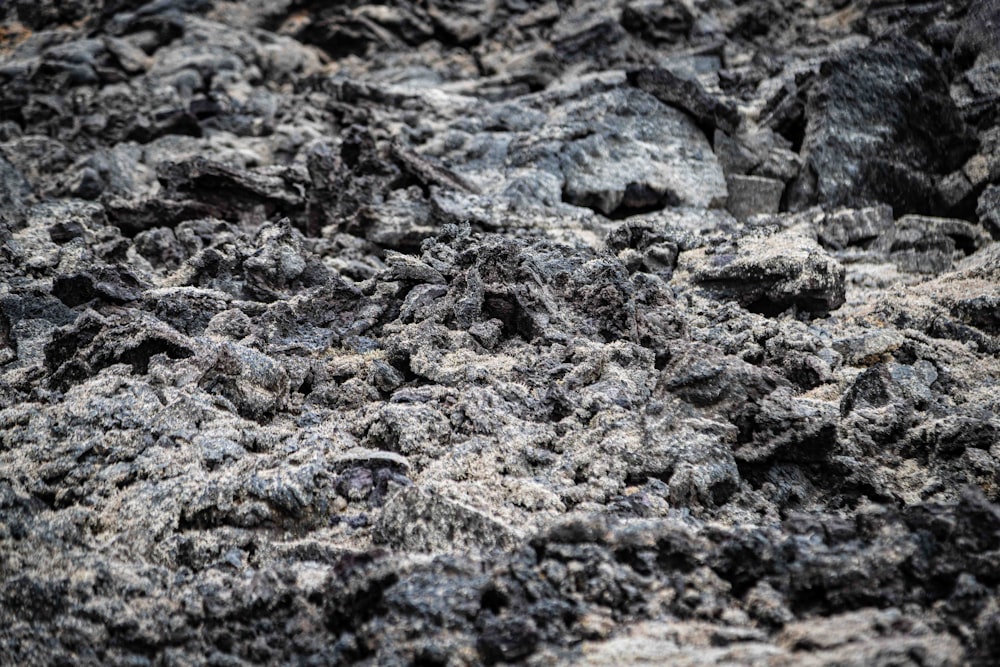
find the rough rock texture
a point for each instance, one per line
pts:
(499, 332)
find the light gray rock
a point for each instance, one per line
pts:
(420, 520)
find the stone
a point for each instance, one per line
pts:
(989, 210)
(921, 244)
(851, 227)
(422, 520)
(102, 283)
(16, 190)
(688, 95)
(753, 195)
(636, 155)
(656, 159)
(255, 385)
(769, 274)
(977, 28)
(865, 146)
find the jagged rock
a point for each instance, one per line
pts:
(688, 95)
(433, 333)
(649, 246)
(864, 143)
(769, 274)
(16, 190)
(989, 210)
(658, 21)
(93, 343)
(666, 161)
(635, 154)
(102, 283)
(920, 244)
(849, 227)
(790, 429)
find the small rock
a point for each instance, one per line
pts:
(753, 195)
(848, 227)
(104, 283)
(922, 244)
(254, 383)
(421, 520)
(487, 333)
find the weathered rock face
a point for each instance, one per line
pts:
(473, 332)
(880, 126)
(600, 145)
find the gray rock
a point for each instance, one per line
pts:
(419, 520)
(255, 385)
(893, 152)
(16, 190)
(974, 38)
(851, 227)
(989, 210)
(769, 274)
(921, 244)
(686, 94)
(753, 195)
(617, 151)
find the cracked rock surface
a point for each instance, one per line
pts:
(475, 332)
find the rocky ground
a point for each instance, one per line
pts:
(470, 332)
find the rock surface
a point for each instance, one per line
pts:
(524, 332)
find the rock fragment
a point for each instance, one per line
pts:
(852, 227)
(864, 145)
(753, 195)
(769, 274)
(420, 520)
(688, 95)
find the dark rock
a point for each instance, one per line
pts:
(93, 343)
(753, 195)
(865, 142)
(979, 311)
(15, 192)
(790, 429)
(977, 91)
(920, 244)
(504, 640)
(649, 246)
(734, 157)
(975, 38)
(664, 85)
(108, 284)
(706, 379)
(657, 21)
(989, 210)
(277, 190)
(851, 227)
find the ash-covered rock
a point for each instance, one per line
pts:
(463, 332)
